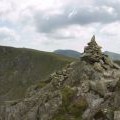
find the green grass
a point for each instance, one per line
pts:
(71, 106)
(21, 68)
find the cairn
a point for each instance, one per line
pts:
(92, 52)
(93, 55)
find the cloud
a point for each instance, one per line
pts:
(8, 35)
(80, 16)
(5, 7)
(52, 24)
(72, 32)
(111, 29)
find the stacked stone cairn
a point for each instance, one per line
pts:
(93, 54)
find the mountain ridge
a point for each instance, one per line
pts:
(76, 54)
(22, 67)
(68, 53)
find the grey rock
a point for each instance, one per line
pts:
(85, 86)
(99, 87)
(98, 67)
(117, 115)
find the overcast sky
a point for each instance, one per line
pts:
(60, 24)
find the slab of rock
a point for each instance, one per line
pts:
(98, 67)
(117, 115)
(99, 87)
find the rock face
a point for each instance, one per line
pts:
(85, 90)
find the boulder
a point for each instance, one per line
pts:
(98, 67)
(117, 115)
(99, 87)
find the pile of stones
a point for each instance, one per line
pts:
(93, 54)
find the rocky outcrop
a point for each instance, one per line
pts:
(39, 103)
(88, 89)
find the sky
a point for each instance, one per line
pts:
(48, 25)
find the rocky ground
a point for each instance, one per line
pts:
(84, 90)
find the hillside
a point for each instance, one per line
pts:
(20, 68)
(69, 53)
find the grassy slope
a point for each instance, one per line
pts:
(20, 68)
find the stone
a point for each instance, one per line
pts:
(106, 67)
(85, 86)
(117, 115)
(116, 66)
(97, 101)
(108, 61)
(99, 87)
(98, 67)
(53, 74)
(59, 72)
(93, 99)
(110, 114)
(117, 100)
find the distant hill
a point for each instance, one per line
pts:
(68, 53)
(75, 54)
(114, 56)
(21, 68)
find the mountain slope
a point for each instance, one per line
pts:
(69, 53)
(20, 68)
